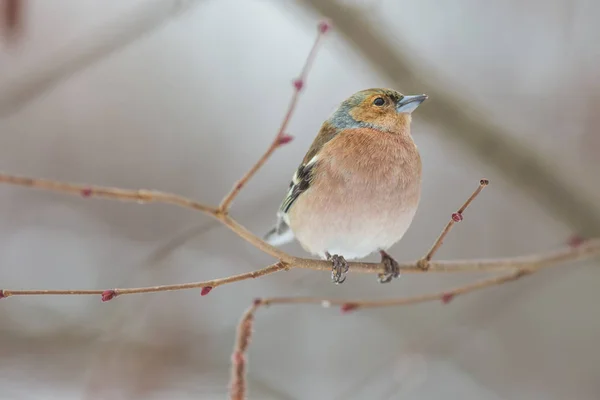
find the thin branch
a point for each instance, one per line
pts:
(280, 138)
(590, 249)
(446, 296)
(112, 293)
(237, 386)
(139, 196)
(587, 250)
(456, 217)
(527, 266)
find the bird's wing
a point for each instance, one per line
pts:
(326, 133)
(299, 184)
(303, 175)
(301, 181)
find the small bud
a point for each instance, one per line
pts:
(521, 273)
(348, 307)
(575, 241)
(2, 295)
(86, 192)
(298, 84)
(205, 290)
(324, 26)
(237, 358)
(457, 217)
(447, 298)
(108, 295)
(284, 139)
(257, 301)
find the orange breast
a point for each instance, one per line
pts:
(364, 194)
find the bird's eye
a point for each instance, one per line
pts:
(379, 101)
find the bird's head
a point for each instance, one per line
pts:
(382, 109)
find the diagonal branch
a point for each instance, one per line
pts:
(456, 217)
(281, 137)
(526, 266)
(139, 196)
(109, 294)
(19, 89)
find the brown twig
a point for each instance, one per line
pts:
(445, 297)
(456, 217)
(523, 267)
(237, 386)
(285, 260)
(588, 249)
(112, 293)
(139, 196)
(281, 137)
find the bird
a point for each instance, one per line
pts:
(358, 187)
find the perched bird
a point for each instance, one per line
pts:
(358, 186)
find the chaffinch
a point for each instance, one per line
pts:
(358, 186)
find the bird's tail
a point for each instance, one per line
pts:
(279, 235)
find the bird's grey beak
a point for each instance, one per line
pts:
(409, 104)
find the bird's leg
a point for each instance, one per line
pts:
(392, 269)
(338, 269)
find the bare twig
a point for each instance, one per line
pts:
(109, 294)
(139, 196)
(456, 217)
(589, 249)
(237, 386)
(446, 296)
(281, 137)
(523, 267)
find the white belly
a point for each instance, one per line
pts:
(367, 238)
(352, 230)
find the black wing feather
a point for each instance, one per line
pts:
(300, 183)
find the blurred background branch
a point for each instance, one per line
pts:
(59, 64)
(459, 119)
(11, 19)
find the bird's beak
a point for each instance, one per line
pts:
(409, 104)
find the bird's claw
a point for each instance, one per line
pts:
(392, 269)
(339, 269)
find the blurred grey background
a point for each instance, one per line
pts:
(183, 96)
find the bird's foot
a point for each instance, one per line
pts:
(392, 269)
(339, 268)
